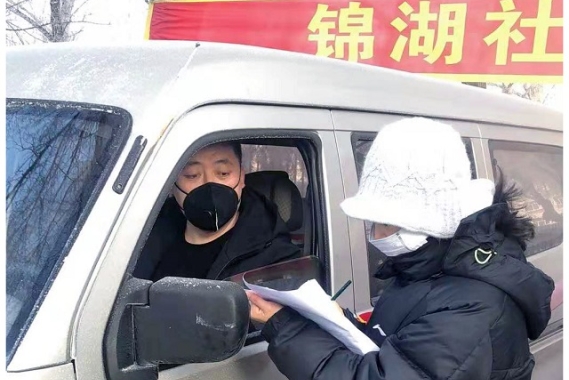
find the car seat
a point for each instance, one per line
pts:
(278, 188)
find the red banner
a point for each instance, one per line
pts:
(468, 40)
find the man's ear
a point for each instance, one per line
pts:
(242, 176)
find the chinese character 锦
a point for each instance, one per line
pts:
(450, 30)
(354, 32)
(507, 31)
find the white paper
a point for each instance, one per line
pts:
(311, 301)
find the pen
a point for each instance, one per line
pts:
(341, 290)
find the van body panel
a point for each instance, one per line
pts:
(548, 355)
(529, 135)
(60, 372)
(251, 362)
(370, 122)
(220, 73)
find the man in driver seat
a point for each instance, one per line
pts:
(213, 226)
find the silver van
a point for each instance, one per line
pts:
(97, 134)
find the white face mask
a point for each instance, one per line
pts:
(401, 242)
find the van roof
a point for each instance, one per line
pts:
(140, 76)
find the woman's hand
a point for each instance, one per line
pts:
(261, 310)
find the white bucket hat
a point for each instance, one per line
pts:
(416, 176)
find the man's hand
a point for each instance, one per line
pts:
(261, 310)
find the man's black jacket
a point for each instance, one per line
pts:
(259, 238)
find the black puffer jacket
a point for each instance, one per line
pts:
(259, 238)
(445, 316)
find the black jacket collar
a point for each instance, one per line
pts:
(476, 231)
(258, 224)
(415, 266)
(507, 268)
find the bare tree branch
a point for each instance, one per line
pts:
(25, 32)
(78, 8)
(8, 23)
(530, 91)
(75, 34)
(18, 36)
(23, 29)
(20, 13)
(29, 14)
(11, 4)
(61, 14)
(88, 22)
(548, 94)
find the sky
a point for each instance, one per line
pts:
(127, 19)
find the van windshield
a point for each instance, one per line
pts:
(57, 157)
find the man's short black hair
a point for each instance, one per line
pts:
(236, 146)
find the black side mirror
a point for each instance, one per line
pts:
(174, 321)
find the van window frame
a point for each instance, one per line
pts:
(309, 145)
(370, 136)
(313, 168)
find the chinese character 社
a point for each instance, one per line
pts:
(354, 32)
(506, 31)
(451, 21)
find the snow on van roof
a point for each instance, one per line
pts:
(184, 75)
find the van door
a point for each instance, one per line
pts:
(152, 184)
(533, 159)
(355, 132)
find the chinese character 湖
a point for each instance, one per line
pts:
(451, 21)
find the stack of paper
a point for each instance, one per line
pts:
(311, 301)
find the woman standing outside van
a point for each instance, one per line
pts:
(463, 301)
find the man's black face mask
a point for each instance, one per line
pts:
(210, 206)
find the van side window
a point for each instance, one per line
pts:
(538, 171)
(57, 158)
(258, 158)
(361, 147)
